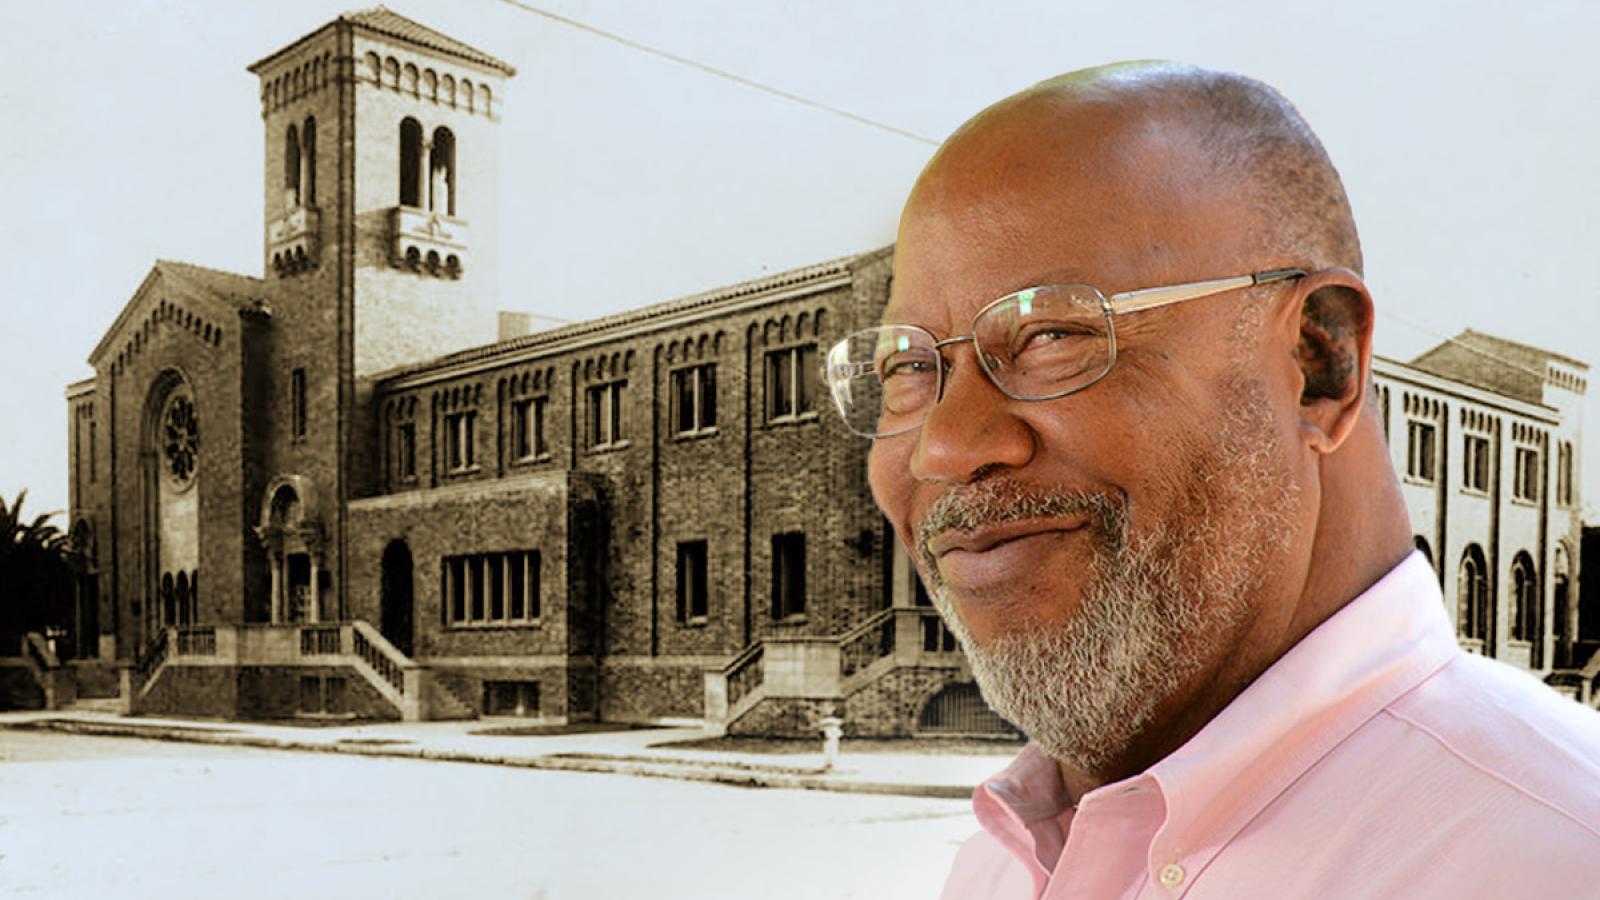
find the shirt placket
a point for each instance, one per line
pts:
(1108, 845)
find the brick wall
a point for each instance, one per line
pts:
(209, 691)
(159, 345)
(273, 692)
(19, 689)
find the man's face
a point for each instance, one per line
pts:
(1100, 554)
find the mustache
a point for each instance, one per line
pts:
(993, 502)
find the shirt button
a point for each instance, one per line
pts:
(1171, 875)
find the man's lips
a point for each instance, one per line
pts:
(987, 537)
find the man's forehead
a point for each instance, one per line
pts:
(1091, 195)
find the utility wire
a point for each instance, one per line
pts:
(1479, 351)
(720, 73)
(883, 126)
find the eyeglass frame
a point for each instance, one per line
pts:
(1114, 305)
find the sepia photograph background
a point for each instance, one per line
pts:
(1465, 132)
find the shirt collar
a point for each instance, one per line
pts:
(1361, 659)
(1374, 649)
(1021, 807)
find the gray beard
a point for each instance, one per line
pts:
(1154, 608)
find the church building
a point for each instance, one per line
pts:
(340, 491)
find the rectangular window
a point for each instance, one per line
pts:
(91, 453)
(788, 575)
(1420, 451)
(334, 693)
(406, 450)
(692, 589)
(475, 576)
(694, 400)
(460, 435)
(1384, 394)
(605, 414)
(491, 588)
(497, 586)
(1564, 473)
(511, 698)
(310, 694)
(527, 429)
(791, 382)
(297, 403)
(531, 561)
(1526, 483)
(1475, 462)
(516, 587)
(456, 585)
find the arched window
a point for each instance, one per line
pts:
(1427, 552)
(308, 162)
(1561, 590)
(180, 595)
(169, 614)
(1472, 595)
(442, 172)
(410, 162)
(291, 168)
(1524, 598)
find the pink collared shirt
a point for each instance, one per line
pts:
(1375, 759)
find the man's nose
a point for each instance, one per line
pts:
(971, 428)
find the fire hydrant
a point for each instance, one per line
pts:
(832, 730)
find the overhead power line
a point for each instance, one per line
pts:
(1479, 351)
(721, 73)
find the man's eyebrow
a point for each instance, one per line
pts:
(893, 310)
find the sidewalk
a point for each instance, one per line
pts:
(629, 751)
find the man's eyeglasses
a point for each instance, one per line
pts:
(1039, 343)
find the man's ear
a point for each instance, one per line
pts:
(1334, 355)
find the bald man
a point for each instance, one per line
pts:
(1121, 417)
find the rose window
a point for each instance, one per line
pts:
(180, 434)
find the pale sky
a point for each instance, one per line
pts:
(1466, 132)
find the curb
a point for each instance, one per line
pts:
(732, 774)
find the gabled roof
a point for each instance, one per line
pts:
(1494, 363)
(229, 290)
(387, 22)
(242, 291)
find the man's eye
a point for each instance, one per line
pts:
(905, 365)
(1048, 337)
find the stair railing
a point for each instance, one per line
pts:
(151, 658)
(744, 674)
(382, 656)
(866, 643)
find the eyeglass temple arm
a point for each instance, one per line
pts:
(1149, 298)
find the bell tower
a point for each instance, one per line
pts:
(382, 189)
(381, 207)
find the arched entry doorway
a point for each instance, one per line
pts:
(397, 600)
(291, 533)
(1427, 551)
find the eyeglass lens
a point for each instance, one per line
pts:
(1035, 344)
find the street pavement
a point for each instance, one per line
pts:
(627, 751)
(95, 817)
